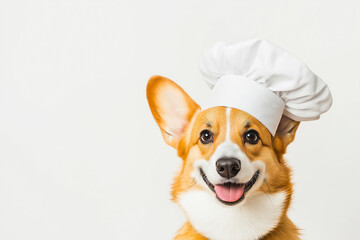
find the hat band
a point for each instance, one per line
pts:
(249, 96)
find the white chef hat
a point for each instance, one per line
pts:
(263, 80)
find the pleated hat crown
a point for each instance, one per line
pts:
(263, 80)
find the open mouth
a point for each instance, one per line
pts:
(230, 193)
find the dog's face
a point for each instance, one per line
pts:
(226, 152)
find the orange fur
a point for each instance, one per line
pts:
(270, 149)
(188, 232)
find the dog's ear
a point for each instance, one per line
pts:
(286, 132)
(171, 107)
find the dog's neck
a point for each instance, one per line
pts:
(251, 220)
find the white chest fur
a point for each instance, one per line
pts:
(250, 220)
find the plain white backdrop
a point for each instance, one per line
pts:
(81, 156)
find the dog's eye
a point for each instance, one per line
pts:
(251, 137)
(206, 136)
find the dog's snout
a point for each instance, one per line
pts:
(228, 167)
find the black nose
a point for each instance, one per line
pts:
(228, 167)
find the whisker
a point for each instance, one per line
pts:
(270, 200)
(267, 184)
(268, 194)
(192, 184)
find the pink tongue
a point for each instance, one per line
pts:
(229, 192)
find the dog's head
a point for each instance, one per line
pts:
(226, 152)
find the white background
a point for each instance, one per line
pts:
(81, 156)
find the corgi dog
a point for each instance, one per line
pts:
(234, 183)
